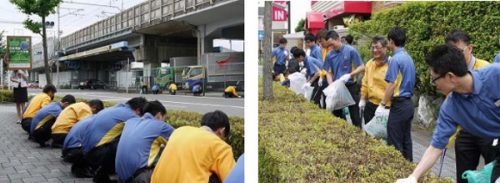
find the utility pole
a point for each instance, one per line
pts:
(58, 43)
(267, 75)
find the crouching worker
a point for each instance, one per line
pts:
(172, 88)
(230, 92)
(42, 122)
(70, 116)
(194, 154)
(37, 103)
(103, 134)
(72, 149)
(141, 144)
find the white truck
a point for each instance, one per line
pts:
(216, 72)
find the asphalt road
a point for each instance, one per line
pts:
(200, 104)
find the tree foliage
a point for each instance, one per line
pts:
(42, 8)
(426, 25)
(300, 26)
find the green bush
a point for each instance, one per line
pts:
(426, 25)
(6, 96)
(298, 142)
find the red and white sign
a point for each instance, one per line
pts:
(280, 11)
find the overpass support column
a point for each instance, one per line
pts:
(205, 43)
(150, 48)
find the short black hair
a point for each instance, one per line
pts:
(283, 40)
(457, 35)
(293, 49)
(348, 39)
(97, 104)
(447, 58)
(216, 120)
(299, 52)
(137, 103)
(49, 88)
(310, 37)
(70, 99)
(332, 34)
(154, 107)
(321, 34)
(398, 36)
(379, 39)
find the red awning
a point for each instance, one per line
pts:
(314, 22)
(352, 7)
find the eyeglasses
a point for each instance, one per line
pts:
(376, 48)
(433, 81)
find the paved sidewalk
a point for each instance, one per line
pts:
(24, 161)
(421, 140)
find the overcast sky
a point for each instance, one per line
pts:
(69, 22)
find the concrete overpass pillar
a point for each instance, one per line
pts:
(150, 49)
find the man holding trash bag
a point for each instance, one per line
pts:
(474, 104)
(401, 113)
(373, 84)
(313, 66)
(344, 63)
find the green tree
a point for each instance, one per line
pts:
(42, 8)
(300, 26)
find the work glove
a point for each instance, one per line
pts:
(410, 179)
(362, 104)
(345, 78)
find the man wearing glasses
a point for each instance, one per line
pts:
(468, 147)
(373, 85)
(473, 103)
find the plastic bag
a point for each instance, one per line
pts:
(479, 176)
(337, 96)
(297, 80)
(308, 91)
(377, 127)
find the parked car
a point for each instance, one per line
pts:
(33, 85)
(92, 84)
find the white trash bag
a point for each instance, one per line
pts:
(297, 80)
(377, 127)
(308, 91)
(337, 96)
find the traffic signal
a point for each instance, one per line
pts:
(49, 24)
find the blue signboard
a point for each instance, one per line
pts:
(261, 35)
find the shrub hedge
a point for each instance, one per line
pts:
(176, 119)
(6, 96)
(426, 25)
(299, 142)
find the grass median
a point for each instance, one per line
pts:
(298, 142)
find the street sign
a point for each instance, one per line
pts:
(261, 35)
(279, 11)
(19, 52)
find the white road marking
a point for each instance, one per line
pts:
(166, 101)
